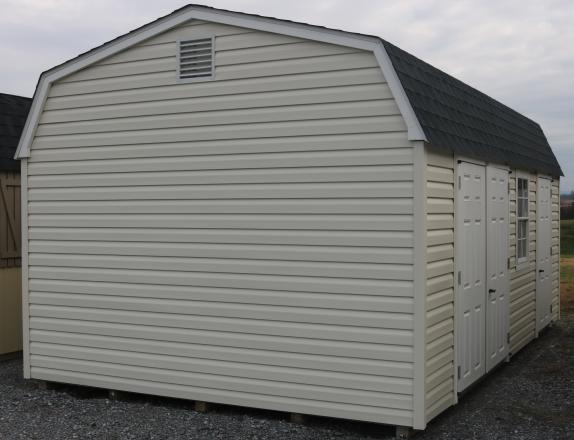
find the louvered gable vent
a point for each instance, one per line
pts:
(196, 59)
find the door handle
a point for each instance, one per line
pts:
(491, 290)
(541, 270)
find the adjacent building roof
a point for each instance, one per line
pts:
(13, 112)
(439, 109)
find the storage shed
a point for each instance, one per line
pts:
(13, 112)
(231, 208)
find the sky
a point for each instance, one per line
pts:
(520, 52)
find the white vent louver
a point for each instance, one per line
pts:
(196, 59)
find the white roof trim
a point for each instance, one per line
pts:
(264, 24)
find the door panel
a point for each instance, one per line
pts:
(497, 283)
(471, 256)
(543, 257)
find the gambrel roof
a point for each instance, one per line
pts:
(437, 108)
(13, 112)
(456, 117)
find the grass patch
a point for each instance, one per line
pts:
(567, 285)
(567, 238)
(567, 266)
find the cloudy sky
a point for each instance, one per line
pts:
(520, 52)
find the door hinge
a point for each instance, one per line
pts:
(459, 277)
(508, 338)
(458, 372)
(459, 185)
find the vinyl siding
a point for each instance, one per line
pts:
(522, 277)
(439, 358)
(246, 240)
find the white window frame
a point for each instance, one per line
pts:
(202, 78)
(522, 261)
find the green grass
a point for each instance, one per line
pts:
(567, 272)
(567, 238)
(567, 266)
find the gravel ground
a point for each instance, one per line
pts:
(530, 398)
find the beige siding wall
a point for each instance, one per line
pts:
(246, 240)
(440, 284)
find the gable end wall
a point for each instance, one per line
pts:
(247, 240)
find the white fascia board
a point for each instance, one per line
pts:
(309, 32)
(414, 129)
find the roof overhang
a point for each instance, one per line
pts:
(265, 24)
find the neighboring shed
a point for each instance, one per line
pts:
(239, 209)
(13, 112)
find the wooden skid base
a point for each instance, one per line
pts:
(403, 433)
(297, 418)
(117, 395)
(202, 407)
(47, 385)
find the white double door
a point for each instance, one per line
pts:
(543, 253)
(482, 270)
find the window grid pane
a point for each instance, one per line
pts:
(522, 198)
(522, 239)
(522, 219)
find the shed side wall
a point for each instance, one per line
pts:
(440, 361)
(246, 240)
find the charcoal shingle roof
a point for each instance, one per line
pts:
(13, 112)
(458, 118)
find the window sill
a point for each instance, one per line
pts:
(522, 264)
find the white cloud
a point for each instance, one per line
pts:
(517, 51)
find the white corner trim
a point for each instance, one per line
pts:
(304, 31)
(419, 285)
(24, 254)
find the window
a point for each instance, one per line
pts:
(521, 220)
(195, 59)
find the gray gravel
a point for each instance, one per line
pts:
(530, 398)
